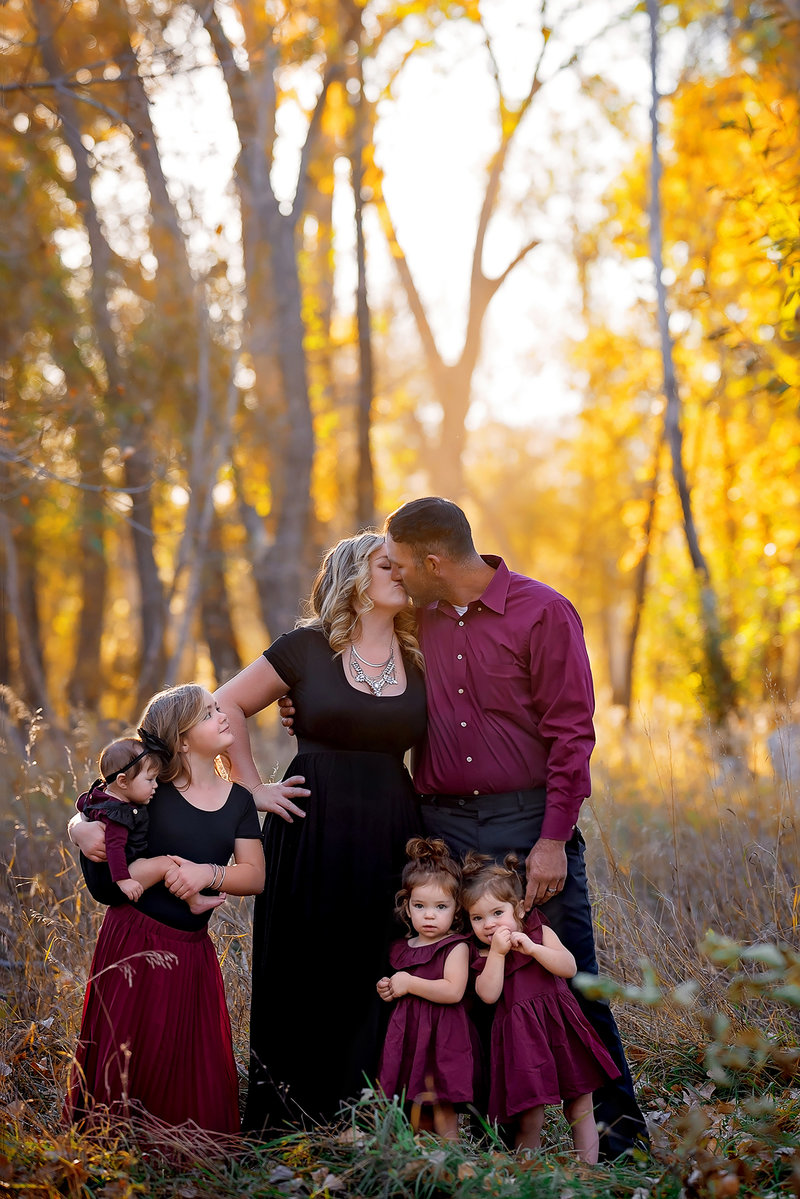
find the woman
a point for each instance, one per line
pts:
(323, 925)
(155, 1036)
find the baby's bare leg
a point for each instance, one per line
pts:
(148, 871)
(204, 903)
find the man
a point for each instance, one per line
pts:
(505, 765)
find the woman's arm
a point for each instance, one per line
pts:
(552, 953)
(448, 989)
(248, 692)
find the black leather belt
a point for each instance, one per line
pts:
(476, 803)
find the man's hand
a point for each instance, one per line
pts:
(286, 709)
(546, 869)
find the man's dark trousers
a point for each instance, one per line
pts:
(512, 823)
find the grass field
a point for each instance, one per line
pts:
(695, 869)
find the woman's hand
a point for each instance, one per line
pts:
(89, 836)
(185, 878)
(278, 798)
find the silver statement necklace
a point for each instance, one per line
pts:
(376, 684)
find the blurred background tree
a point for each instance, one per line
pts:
(227, 340)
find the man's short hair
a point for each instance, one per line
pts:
(432, 525)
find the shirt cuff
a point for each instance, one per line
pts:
(558, 825)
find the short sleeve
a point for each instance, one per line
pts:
(289, 653)
(248, 826)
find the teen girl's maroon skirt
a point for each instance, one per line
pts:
(155, 1036)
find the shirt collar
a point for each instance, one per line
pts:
(493, 597)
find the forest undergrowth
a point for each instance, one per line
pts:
(694, 861)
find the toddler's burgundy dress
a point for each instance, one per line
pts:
(430, 1048)
(543, 1050)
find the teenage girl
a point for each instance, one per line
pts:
(119, 799)
(428, 1052)
(542, 1048)
(155, 1037)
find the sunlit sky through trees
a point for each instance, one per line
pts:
(436, 132)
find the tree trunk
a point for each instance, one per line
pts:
(138, 466)
(452, 383)
(277, 338)
(20, 588)
(721, 688)
(365, 475)
(215, 612)
(85, 686)
(640, 585)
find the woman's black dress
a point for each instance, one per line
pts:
(324, 923)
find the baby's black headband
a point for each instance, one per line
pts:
(152, 745)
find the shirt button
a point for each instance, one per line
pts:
(461, 803)
(480, 609)
(461, 691)
(463, 724)
(476, 792)
(459, 656)
(461, 622)
(469, 759)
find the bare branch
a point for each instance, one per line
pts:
(500, 279)
(332, 73)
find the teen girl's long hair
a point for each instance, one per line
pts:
(167, 717)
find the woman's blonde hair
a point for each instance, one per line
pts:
(339, 597)
(168, 716)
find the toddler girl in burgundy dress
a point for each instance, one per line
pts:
(543, 1050)
(431, 1046)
